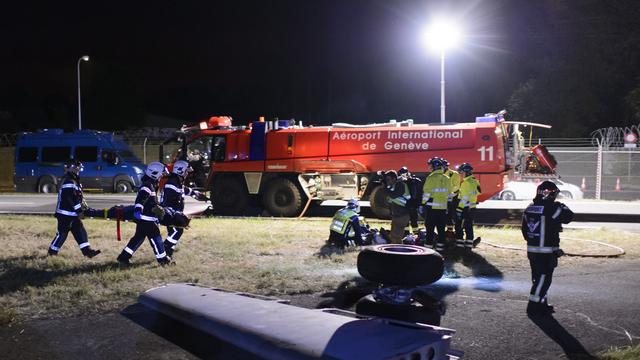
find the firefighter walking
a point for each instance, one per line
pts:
(399, 195)
(173, 195)
(69, 212)
(345, 229)
(466, 208)
(435, 195)
(147, 213)
(541, 226)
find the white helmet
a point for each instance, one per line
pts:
(354, 205)
(181, 168)
(156, 170)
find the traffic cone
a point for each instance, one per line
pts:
(583, 187)
(618, 184)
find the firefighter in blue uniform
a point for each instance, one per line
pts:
(541, 226)
(69, 212)
(173, 195)
(345, 229)
(146, 213)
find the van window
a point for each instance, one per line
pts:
(86, 153)
(28, 154)
(56, 154)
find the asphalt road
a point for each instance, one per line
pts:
(596, 307)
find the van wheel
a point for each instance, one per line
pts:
(47, 186)
(282, 198)
(378, 201)
(123, 186)
(229, 197)
(403, 265)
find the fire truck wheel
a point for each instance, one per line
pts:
(282, 198)
(229, 196)
(413, 312)
(378, 202)
(46, 185)
(403, 265)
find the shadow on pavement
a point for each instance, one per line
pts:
(189, 339)
(347, 294)
(572, 348)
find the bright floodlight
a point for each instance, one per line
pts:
(85, 58)
(442, 35)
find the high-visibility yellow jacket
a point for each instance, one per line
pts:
(398, 198)
(469, 191)
(455, 182)
(436, 190)
(343, 222)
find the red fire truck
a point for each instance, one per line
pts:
(283, 166)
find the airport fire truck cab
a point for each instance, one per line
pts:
(283, 166)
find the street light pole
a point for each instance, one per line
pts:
(442, 86)
(440, 36)
(83, 58)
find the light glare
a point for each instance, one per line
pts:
(442, 35)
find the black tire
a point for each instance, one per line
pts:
(282, 198)
(378, 203)
(508, 195)
(47, 185)
(229, 196)
(404, 265)
(122, 186)
(414, 312)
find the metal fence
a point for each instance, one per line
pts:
(612, 174)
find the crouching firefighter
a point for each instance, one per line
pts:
(69, 211)
(541, 226)
(345, 229)
(146, 214)
(173, 195)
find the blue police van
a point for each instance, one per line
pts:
(109, 164)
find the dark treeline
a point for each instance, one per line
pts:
(571, 64)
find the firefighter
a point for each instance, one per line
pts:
(466, 207)
(399, 195)
(69, 211)
(453, 200)
(173, 195)
(541, 226)
(435, 195)
(415, 189)
(346, 229)
(146, 213)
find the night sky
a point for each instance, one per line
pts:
(318, 61)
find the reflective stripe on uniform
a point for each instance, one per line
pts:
(542, 249)
(65, 212)
(557, 213)
(174, 188)
(84, 245)
(128, 250)
(70, 186)
(148, 191)
(148, 218)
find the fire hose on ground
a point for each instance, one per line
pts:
(620, 251)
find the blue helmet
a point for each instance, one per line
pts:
(436, 163)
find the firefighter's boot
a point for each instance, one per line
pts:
(89, 252)
(123, 259)
(168, 248)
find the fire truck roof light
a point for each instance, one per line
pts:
(204, 125)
